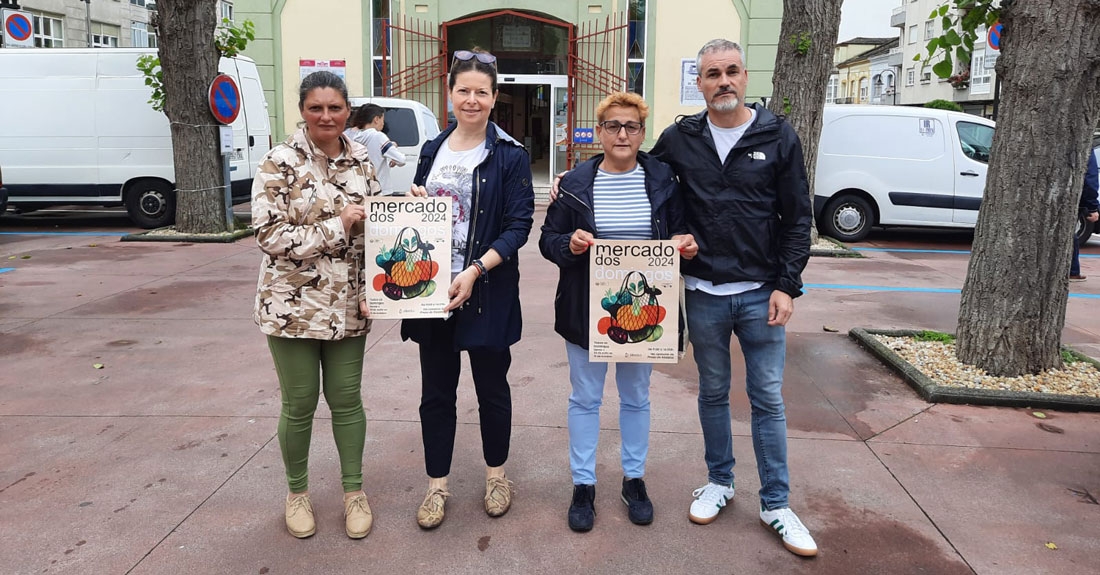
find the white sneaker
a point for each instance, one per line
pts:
(796, 538)
(709, 500)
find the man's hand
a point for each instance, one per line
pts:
(686, 244)
(1093, 216)
(350, 214)
(780, 308)
(554, 186)
(418, 191)
(579, 242)
(461, 289)
(363, 310)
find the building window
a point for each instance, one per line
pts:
(138, 2)
(49, 32)
(980, 78)
(913, 34)
(925, 77)
(876, 87)
(380, 51)
(635, 53)
(104, 35)
(139, 35)
(862, 90)
(830, 92)
(910, 76)
(227, 11)
(929, 29)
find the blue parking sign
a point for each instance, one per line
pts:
(582, 136)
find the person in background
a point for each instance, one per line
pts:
(1090, 208)
(368, 127)
(747, 204)
(307, 209)
(487, 175)
(622, 194)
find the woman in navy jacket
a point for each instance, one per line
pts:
(488, 176)
(625, 195)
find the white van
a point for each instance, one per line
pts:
(899, 166)
(76, 128)
(410, 125)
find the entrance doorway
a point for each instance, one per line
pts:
(533, 109)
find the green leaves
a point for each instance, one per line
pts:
(149, 65)
(232, 39)
(959, 32)
(944, 67)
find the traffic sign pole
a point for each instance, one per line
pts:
(225, 106)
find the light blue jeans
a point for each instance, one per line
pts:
(587, 378)
(711, 321)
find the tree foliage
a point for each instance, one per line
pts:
(960, 32)
(943, 105)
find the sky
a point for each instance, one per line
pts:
(867, 18)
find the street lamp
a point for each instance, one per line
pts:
(88, 20)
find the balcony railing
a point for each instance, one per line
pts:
(897, 18)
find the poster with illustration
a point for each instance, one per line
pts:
(634, 292)
(408, 256)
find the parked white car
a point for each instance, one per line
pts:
(410, 125)
(899, 166)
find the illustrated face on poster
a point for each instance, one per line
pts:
(410, 239)
(634, 291)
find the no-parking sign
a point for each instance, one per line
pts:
(225, 99)
(18, 29)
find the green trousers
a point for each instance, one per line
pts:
(305, 368)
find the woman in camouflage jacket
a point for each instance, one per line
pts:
(308, 207)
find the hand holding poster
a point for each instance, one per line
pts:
(634, 308)
(409, 240)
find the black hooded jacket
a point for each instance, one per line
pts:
(751, 215)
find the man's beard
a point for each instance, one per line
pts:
(725, 105)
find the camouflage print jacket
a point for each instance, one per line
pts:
(312, 277)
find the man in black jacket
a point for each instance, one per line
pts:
(746, 203)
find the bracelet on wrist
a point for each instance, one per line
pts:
(480, 267)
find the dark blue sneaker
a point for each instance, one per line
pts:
(582, 511)
(639, 507)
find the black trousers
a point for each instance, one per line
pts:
(440, 365)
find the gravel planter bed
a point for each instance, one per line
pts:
(169, 234)
(830, 248)
(931, 369)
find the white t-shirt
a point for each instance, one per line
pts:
(452, 175)
(380, 150)
(724, 140)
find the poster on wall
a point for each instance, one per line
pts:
(408, 256)
(634, 301)
(689, 91)
(307, 67)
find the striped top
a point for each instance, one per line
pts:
(621, 206)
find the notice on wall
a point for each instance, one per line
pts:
(689, 91)
(634, 301)
(307, 67)
(408, 256)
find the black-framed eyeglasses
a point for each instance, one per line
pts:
(483, 57)
(613, 126)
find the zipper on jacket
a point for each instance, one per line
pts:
(591, 213)
(473, 223)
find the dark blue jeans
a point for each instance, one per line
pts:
(712, 320)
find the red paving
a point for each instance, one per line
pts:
(165, 460)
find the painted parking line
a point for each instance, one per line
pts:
(931, 251)
(2, 270)
(848, 287)
(64, 233)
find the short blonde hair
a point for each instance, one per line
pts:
(625, 100)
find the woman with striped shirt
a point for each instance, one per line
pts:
(622, 194)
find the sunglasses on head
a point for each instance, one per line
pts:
(482, 57)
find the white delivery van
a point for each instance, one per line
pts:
(76, 128)
(899, 166)
(410, 125)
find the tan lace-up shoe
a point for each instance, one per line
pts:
(299, 516)
(498, 496)
(430, 513)
(357, 517)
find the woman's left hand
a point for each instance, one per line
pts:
(461, 288)
(687, 246)
(364, 310)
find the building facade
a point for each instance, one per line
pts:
(555, 59)
(851, 80)
(973, 84)
(114, 23)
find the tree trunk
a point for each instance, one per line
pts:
(807, 39)
(1014, 299)
(189, 62)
